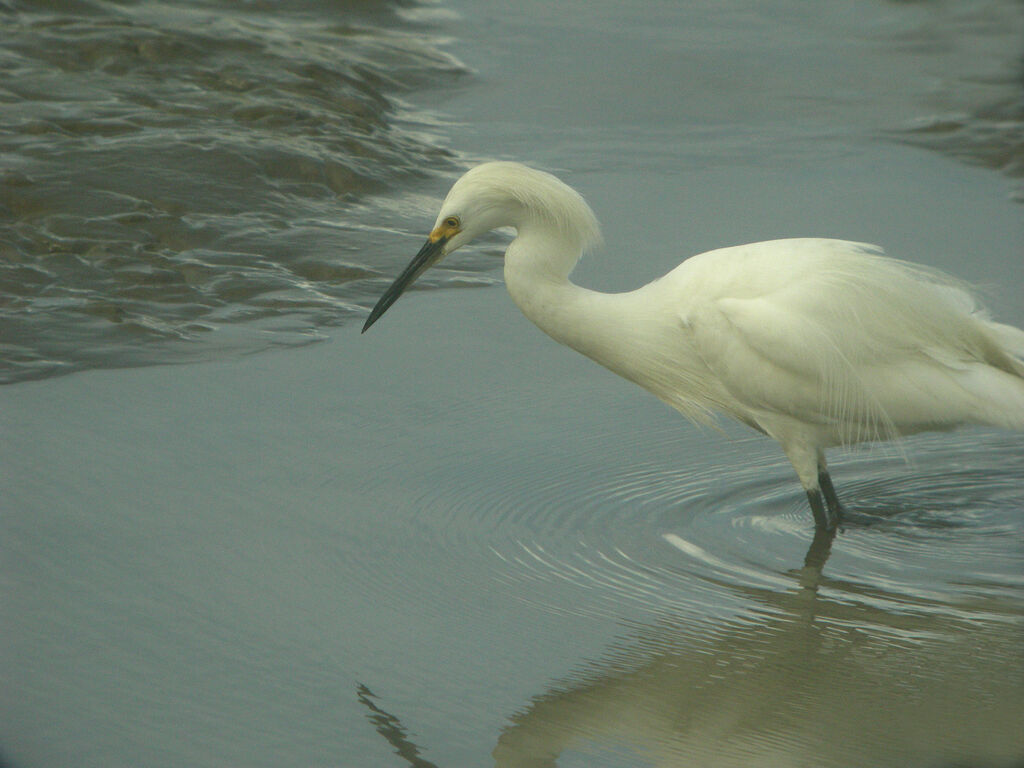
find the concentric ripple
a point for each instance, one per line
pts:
(933, 526)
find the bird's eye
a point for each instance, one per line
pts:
(452, 222)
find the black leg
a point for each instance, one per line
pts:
(829, 491)
(822, 519)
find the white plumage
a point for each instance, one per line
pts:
(814, 342)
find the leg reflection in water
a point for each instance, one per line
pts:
(823, 674)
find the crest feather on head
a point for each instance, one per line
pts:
(545, 196)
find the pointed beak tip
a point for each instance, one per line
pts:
(431, 251)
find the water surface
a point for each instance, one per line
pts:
(183, 180)
(451, 541)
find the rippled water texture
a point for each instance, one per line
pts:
(181, 180)
(974, 113)
(450, 542)
(169, 170)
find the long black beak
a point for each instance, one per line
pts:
(431, 251)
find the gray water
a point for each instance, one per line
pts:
(180, 180)
(451, 541)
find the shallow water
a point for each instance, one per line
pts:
(182, 180)
(450, 541)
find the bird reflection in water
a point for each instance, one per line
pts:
(816, 343)
(810, 682)
(804, 681)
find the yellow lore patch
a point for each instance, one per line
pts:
(448, 229)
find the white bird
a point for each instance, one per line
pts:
(814, 342)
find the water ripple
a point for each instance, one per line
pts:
(939, 534)
(181, 180)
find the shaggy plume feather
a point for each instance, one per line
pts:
(542, 196)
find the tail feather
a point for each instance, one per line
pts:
(1011, 340)
(999, 396)
(1003, 388)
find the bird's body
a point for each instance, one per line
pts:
(814, 342)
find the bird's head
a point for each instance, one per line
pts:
(491, 196)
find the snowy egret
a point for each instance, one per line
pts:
(816, 343)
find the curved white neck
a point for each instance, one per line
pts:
(617, 330)
(537, 267)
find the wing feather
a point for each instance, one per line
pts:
(842, 337)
